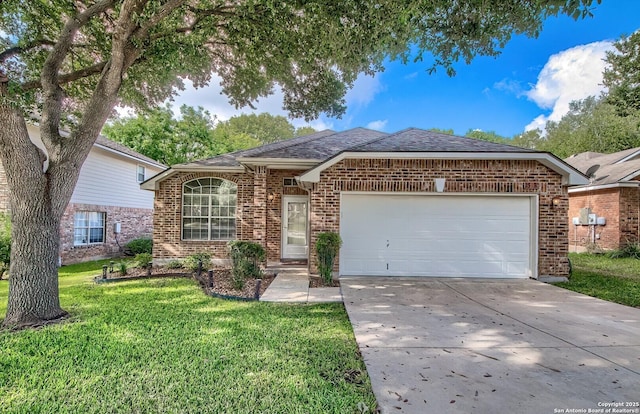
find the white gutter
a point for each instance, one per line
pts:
(602, 187)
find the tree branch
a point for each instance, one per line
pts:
(69, 77)
(49, 78)
(16, 50)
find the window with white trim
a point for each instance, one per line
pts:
(88, 227)
(209, 209)
(140, 172)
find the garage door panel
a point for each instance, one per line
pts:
(474, 236)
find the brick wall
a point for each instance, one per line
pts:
(604, 203)
(167, 217)
(274, 209)
(629, 215)
(135, 223)
(465, 176)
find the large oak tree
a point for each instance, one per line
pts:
(67, 63)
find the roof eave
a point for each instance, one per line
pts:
(153, 183)
(570, 175)
(584, 188)
(131, 157)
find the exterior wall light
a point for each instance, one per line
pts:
(555, 201)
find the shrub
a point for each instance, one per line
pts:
(245, 258)
(175, 264)
(137, 246)
(142, 260)
(192, 261)
(627, 250)
(327, 248)
(122, 268)
(5, 243)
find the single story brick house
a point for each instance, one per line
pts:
(411, 203)
(606, 211)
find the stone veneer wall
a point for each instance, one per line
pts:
(463, 176)
(135, 223)
(167, 217)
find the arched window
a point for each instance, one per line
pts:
(209, 209)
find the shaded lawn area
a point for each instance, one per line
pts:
(615, 280)
(161, 345)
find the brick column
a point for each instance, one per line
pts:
(260, 206)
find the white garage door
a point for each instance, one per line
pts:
(437, 235)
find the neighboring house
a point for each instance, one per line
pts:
(107, 208)
(606, 210)
(412, 203)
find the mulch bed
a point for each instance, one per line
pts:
(222, 281)
(318, 282)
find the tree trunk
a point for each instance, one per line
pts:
(35, 216)
(33, 283)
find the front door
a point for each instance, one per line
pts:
(295, 213)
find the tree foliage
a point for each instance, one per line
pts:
(591, 124)
(69, 62)
(196, 135)
(490, 136)
(264, 128)
(622, 76)
(158, 135)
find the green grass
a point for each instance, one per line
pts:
(161, 345)
(615, 280)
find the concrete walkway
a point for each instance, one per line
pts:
(291, 285)
(493, 346)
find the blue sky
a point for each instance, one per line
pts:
(531, 81)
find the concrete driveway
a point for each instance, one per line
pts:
(493, 346)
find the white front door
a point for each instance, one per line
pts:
(295, 239)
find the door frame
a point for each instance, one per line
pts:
(283, 229)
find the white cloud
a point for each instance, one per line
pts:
(567, 76)
(365, 88)
(210, 98)
(377, 125)
(509, 85)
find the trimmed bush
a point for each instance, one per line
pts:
(142, 260)
(175, 264)
(245, 257)
(122, 268)
(327, 248)
(191, 262)
(137, 246)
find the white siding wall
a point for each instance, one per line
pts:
(110, 180)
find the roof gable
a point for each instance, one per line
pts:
(617, 167)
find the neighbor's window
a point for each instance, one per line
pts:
(209, 209)
(88, 228)
(140, 173)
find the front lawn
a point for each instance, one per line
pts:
(615, 280)
(161, 345)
